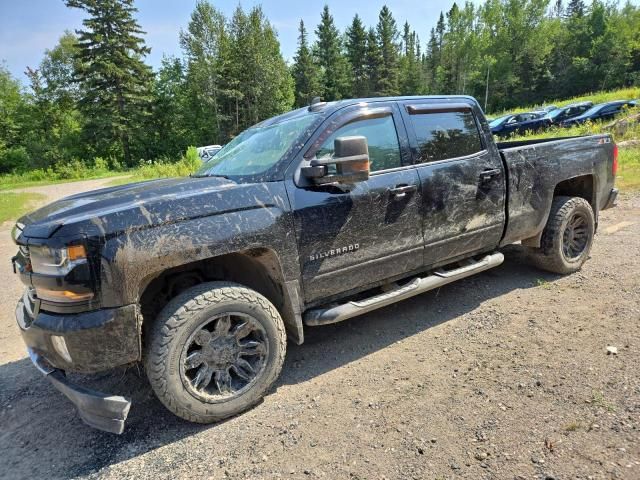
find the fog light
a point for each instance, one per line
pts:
(60, 346)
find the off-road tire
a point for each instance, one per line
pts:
(182, 315)
(550, 256)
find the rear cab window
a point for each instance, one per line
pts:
(442, 134)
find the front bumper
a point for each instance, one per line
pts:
(98, 410)
(611, 201)
(82, 342)
(94, 341)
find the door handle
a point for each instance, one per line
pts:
(487, 175)
(400, 191)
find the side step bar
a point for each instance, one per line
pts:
(337, 313)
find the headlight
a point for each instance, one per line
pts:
(56, 261)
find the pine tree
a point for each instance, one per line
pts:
(113, 76)
(388, 40)
(575, 8)
(410, 67)
(356, 46)
(210, 88)
(305, 72)
(373, 60)
(328, 52)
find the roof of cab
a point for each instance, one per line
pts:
(327, 108)
(331, 107)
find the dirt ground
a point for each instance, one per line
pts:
(504, 375)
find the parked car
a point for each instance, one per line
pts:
(208, 152)
(306, 219)
(519, 123)
(569, 111)
(601, 111)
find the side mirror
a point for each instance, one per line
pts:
(349, 164)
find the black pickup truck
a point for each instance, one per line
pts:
(305, 219)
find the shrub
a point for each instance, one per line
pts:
(14, 158)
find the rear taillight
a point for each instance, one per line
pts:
(614, 167)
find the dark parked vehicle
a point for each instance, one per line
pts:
(601, 111)
(519, 123)
(305, 219)
(208, 152)
(569, 111)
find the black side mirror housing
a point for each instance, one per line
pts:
(349, 164)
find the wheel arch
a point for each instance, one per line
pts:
(257, 268)
(583, 186)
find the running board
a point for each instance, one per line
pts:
(440, 277)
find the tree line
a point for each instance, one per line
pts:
(93, 95)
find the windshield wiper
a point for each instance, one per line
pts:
(209, 175)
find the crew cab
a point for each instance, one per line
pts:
(306, 219)
(520, 123)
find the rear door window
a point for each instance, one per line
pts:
(443, 135)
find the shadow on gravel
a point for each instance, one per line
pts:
(42, 435)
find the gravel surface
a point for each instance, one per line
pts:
(505, 375)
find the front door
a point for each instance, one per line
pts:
(462, 179)
(352, 237)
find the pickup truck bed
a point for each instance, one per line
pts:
(533, 168)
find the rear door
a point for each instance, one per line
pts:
(462, 179)
(351, 237)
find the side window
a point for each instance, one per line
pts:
(382, 138)
(445, 135)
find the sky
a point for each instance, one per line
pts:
(29, 27)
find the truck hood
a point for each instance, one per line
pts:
(141, 205)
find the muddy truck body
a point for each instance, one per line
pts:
(306, 219)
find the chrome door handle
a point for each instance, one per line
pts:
(400, 191)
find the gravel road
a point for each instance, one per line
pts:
(504, 375)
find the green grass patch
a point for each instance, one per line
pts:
(99, 168)
(14, 205)
(596, 97)
(628, 177)
(187, 165)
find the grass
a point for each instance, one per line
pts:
(541, 282)
(596, 97)
(628, 177)
(11, 181)
(14, 205)
(572, 426)
(598, 399)
(99, 168)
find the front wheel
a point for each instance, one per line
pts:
(567, 237)
(214, 351)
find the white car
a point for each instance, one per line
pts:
(208, 152)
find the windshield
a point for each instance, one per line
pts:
(256, 149)
(594, 109)
(498, 121)
(554, 113)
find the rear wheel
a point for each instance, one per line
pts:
(214, 351)
(567, 237)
